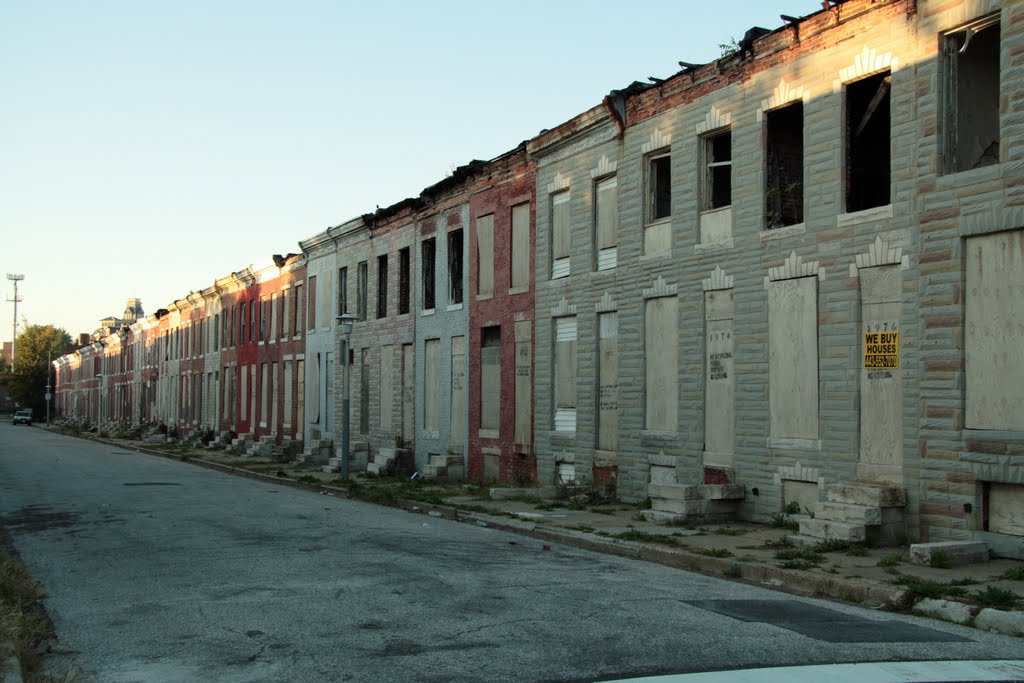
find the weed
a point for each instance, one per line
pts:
(798, 564)
(940, 560)
(716, 552)
(833, 545)
(602, 511)
(1013, 574)
(916, 589)
(781, 521)
(22, 621)
(850, 596)
(733, 571)
(643, 537)
(890, 561)
(999, 598)
(730, 531)
(308, 479)
(782, 542)
(793, 508)
(965, 581)
(798, 558)
(581, 527)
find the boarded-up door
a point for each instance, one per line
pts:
(457, 438)
(524, 386)
(408, 393)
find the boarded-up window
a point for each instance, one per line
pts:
(485, 254)
(361, 285)
(606, 222)
(560, 235)
(793, 358)
(868, 142)
(455, 270)
(404, 273)
(718, 170)
(264, 393)
(387, 383)
(275, 383)
(288, 390)
(457, 436)
(311, 304)
(313, 386)
(432, 385)
(661, 335)
(565, 374)
(264, 317)
(300, 397)
(994, 318)
(524, 384)
(342, 291)
(784, 166)
(298, 310)
(382, 286)
(408, 392)
(659, 187)
(971, 89)
(429, 257)
(1004, 508)
(520, 246)
(241, 325)
(490, 378)
(608, 381)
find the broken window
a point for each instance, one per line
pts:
(342, 291)
(867, 142)
(718, 170)
(429, 256)
(241, 324)
(361, 285)
(784, 167)
(659, 187)
(311, 304)
(404, 273)
(520, 246)
(971, 58)
(382, 286)
(455, 267)
(485, 255)
(560, 239)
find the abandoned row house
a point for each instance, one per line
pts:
(792, 278)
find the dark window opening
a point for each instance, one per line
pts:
(404, 268)
(342, 291)
(254, 310)
(362, 278)
(241, 323)
(718, 157)
(264, 316)
(382, 286)
(784, 167)
(429, 258)
(659, 187)
(455, 266)
(867, 142)
(972, 96)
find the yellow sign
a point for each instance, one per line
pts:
(881, 350)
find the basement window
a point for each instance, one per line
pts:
(429, 260)
(718, 170)
(659, 187)
(455, 267)
(784, 167)
(382, 286)
(867, 142)
(971, 123)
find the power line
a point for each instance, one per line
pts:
(15, 278)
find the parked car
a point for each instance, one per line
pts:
(23, 417)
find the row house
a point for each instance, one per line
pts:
(787, 279)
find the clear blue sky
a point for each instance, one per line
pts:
(147, 147)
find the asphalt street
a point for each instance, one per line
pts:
(157, 570)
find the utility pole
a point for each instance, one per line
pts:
(15, 278)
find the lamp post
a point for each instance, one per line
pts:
(345, 321)
(49, 369)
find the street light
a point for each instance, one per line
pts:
(345, 321)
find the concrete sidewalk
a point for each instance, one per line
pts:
(987, 595)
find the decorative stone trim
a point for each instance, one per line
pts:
(558, 183)
(783, 94)
(660, 289)
(606, 304)
(604, 167)
(880, 254)
(520, 316)
(659, 459)
(657, 141)
(798, 472)
(563, 309)
(867, 61)
(713, 120)
(794, 267)
(718, 280)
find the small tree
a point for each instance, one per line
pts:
(36, 346)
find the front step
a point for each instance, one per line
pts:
(873, 495)
(857, 512)
(830, 530)
(846, 512)
(688, 503)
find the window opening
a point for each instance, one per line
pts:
(429, 259)
(784, 172)
(455, 266)
(867, 142)
(659, 187)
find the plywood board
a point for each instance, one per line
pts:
(661, 349)
(793, 358)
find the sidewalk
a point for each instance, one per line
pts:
(986, 595)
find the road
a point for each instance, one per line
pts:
(157, 570)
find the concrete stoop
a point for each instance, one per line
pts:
(240, 444)
(223, 440)
(317, 451)
(857, 513)
(444, 467)
(383, 462)
(264, 448)
(949, 553)
(690, 503)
